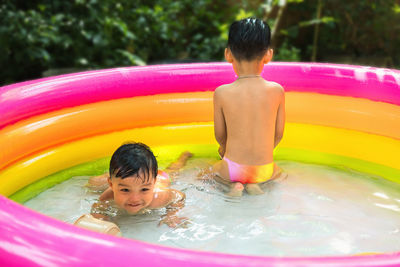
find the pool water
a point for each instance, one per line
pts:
(315, 211)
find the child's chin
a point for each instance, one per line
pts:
(129, 210)
(133, 211)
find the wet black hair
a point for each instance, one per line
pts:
(133, 159)
(249, 39)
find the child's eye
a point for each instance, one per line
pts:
(124, 190)
(145, 189)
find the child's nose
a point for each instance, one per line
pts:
(134, 197)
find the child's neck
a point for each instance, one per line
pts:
(248, 68)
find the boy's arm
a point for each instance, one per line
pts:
(107, 194)
(100, 207)
(176, 203)
(280, 119)
(219, 122)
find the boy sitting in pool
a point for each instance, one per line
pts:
(136, 184)
(249, 114)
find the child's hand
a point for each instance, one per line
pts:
(175, 221)
(205, 174)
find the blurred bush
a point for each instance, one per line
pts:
(364, 32)
(38, 35)
(55, 36)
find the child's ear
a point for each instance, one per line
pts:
(228, 55)
(109, 181)
(268, 55)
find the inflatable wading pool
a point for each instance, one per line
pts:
(337, 115)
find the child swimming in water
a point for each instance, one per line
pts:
(249, 114)
(135, 184)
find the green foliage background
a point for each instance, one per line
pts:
(41, 35)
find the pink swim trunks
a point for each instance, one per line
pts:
(249, 174)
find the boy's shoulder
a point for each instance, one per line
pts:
(219, 92)
(223, 87)
(268, 85)
(162, 198)
(274, 85)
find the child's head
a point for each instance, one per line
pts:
(133, 172)
(249, 39)
(133, 159)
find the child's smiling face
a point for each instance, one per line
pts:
(132, 193)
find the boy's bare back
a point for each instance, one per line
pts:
(249, 114)
(252, 110)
